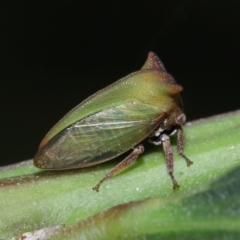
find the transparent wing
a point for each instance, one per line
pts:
(100, 137)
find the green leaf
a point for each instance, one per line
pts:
(138, 203)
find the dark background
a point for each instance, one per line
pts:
(54, 54)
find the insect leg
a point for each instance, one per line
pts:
(180, 143)
(169, 157)
(128, 161)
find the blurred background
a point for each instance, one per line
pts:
(54, 54)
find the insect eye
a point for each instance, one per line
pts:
(181, 119)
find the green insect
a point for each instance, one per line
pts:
(116, 119)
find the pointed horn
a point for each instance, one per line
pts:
(177, 88)
(153, 63)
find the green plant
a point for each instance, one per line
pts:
(139, 203)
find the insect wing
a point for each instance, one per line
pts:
(152, 84)
(100, 137)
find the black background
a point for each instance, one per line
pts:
(54, 54)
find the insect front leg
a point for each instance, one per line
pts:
(180, 143)
(127, 162)
(167, 147)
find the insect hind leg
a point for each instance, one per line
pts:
(127, 162)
